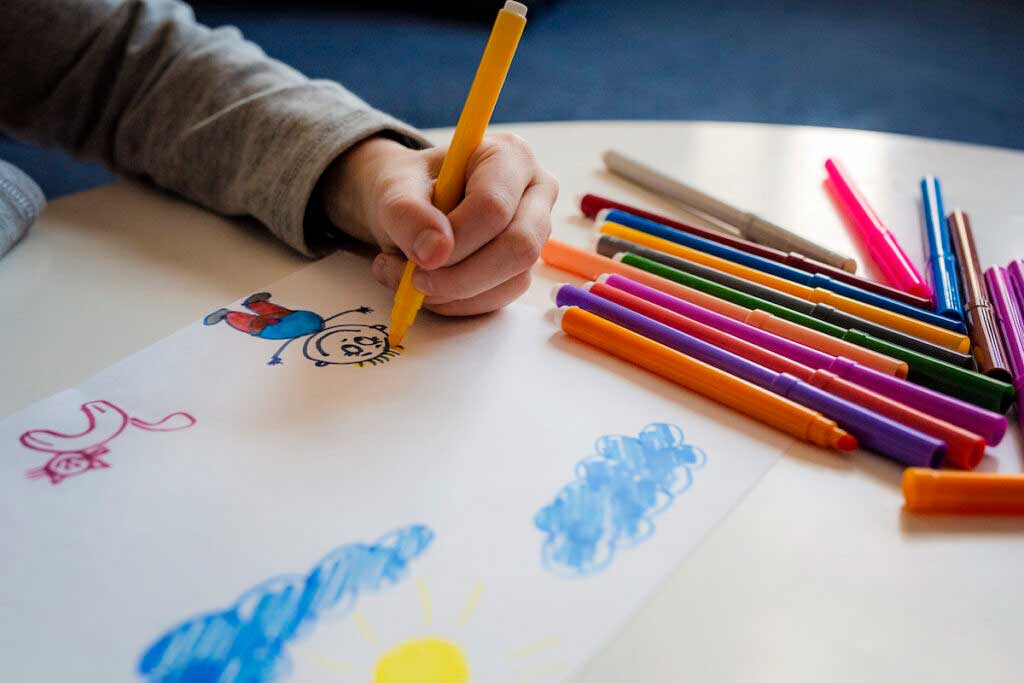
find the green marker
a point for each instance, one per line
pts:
(950, 379)
(609, 246)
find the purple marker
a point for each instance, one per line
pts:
(873, 431)
(990, 426)
(1011, 323)
(1016, 272)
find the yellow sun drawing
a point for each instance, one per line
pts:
(438, 656)
(422, 659)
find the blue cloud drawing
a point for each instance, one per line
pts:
(614, 497)
(245, 643)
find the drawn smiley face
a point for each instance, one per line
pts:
(349, 344)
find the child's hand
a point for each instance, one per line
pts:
(474, 260)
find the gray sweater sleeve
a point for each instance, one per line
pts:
(141, 86)
(21, 200)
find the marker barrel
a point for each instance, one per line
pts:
(925, 330)
(590, 266)
(882, 245)
(1015, 271)
(986, 344)
(873, 431)
(780, 270)
(1011, 322)
(989, 425)
(610, 246)
(591, 204)
(941, 263)
(931, 372)
(738, 394)
(750, 226)
(1009, 316)
(963, 448)
(969, 493)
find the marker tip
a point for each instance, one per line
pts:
(846, 442)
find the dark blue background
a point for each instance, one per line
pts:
(947, 68)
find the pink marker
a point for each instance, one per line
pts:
(885, 251)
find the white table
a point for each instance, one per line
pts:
(815, 576)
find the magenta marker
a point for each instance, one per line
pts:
(1016, 272)
(1005, 303)
(990, 426)
(873, 431)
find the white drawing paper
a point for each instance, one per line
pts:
(266, 496)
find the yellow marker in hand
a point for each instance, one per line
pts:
(476, 114)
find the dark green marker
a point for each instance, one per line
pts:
(609, 246)
(950, 379)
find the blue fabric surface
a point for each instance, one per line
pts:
(944, 68)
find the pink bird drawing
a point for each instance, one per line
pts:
(74, 454)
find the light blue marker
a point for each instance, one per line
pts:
(779, 269)
(941, 261)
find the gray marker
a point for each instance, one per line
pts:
(752, 227)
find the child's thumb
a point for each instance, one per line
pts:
(419, 229)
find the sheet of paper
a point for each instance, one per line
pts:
(497, 499)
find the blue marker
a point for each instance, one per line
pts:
(779, 269)
(941, 262)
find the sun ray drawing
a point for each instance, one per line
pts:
(450, 649)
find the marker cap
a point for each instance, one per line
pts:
(927, 490)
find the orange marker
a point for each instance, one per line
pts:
(963, 448)
(922, 330)
(964, 493)
(591, 266)
(729, 390)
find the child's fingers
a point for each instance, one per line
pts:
(387, 269)
(407, 217)
(497, 175)
(434, 157)
(491, 300)
(510, 253)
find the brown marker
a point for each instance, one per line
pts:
(981, 320)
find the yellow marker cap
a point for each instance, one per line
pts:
(476, 114)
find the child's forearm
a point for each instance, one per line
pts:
(143, 87)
